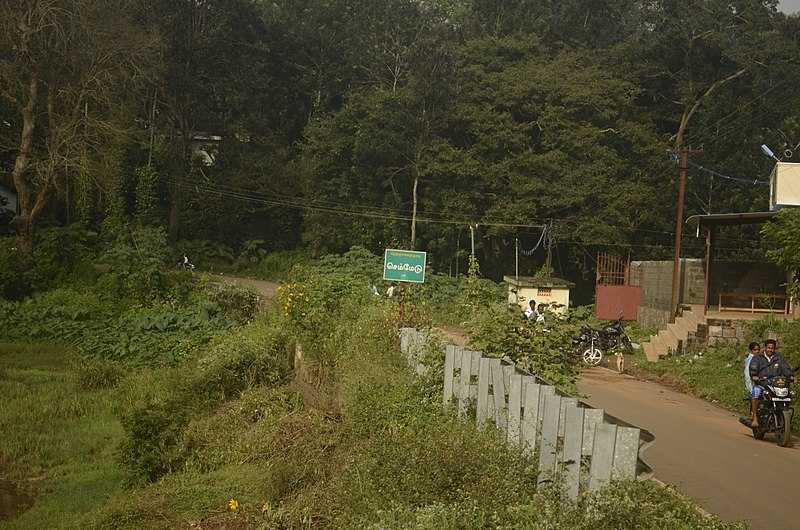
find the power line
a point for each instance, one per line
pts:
(254, 197)
(387, 214)
(727, 177)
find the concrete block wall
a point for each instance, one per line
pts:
(717, 331)
(655, 279)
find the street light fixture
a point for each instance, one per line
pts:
(767, 151)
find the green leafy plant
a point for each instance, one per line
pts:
(137, 258)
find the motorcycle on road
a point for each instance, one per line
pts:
(775, 410)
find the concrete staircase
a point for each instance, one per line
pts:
(675, 334)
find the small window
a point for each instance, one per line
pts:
(544, 291)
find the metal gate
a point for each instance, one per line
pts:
(617, 290)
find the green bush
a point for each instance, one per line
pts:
(278, 265)
(150, 447)
(258, 354)
(242, 430)
(255, 355)
(240, 304)
(541, 349)
(60, 256)
(137, 257)
(206, 255)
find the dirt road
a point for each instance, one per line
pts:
(704, 451)
(265, 288)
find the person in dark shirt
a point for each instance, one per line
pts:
(763, 368)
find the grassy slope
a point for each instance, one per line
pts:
(715, 376)
(364, 447)
(58, 440)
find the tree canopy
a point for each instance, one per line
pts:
(396, 122)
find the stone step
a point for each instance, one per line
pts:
(650, 351)
(657, 347)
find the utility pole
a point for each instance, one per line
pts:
(472, 237)
(516, 258)
(676, 266)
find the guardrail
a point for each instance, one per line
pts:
(581, 446)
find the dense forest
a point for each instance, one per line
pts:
(332, 123)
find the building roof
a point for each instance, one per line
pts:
(729, 219)
(531, 281)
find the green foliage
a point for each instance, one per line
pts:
(714, 374)
(61, 255)
(205, 254)
(146, 194)
(782, 239)
(277, 265)
(137, 258)
(544, 272)
(240, 304)
(477, 293)
(330, 291)
(452, 301)
(541, 349)
(100, 325)
(256, 355)
(253, 250)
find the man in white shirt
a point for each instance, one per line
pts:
(530, 311)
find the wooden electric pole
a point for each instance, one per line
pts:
(676, 266)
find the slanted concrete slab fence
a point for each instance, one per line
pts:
(582, 447)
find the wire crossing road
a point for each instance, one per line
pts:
(704, 451)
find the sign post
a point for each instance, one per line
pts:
(404, 266)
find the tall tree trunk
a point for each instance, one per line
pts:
(26, 216)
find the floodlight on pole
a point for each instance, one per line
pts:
(767, 151)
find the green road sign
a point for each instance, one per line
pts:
(404, 266)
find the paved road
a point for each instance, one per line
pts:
(705, 452)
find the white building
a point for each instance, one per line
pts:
(553, 292)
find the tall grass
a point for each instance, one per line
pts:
(57, 441)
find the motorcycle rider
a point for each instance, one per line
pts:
(763, 368)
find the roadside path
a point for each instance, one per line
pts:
(704, 451)
(266, 288)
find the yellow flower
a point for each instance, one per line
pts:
(233, 504)
(266, 507)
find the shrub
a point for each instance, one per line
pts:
(242, 430)
(150, 448)
(258, 354)
(278, 265)
(203, 253)
(542, 349)
(137, 257)
(154, 428)
(241, 304)
(59, 256)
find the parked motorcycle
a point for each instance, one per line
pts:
(775, 410)
(592, 343)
